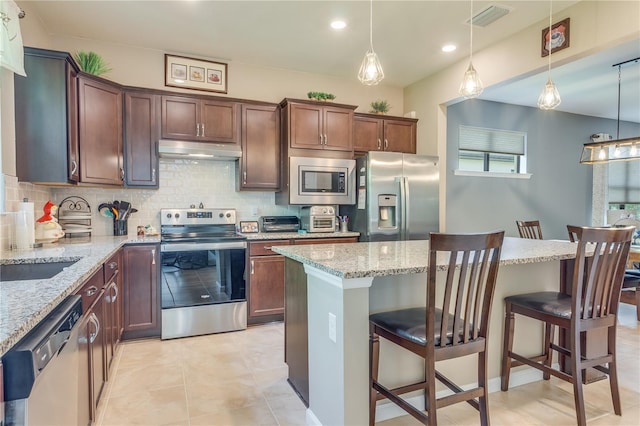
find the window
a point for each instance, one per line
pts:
(490, 150)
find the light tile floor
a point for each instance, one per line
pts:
(240, 379)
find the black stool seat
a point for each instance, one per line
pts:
(631, 278)
(548, 302)
(410, 324)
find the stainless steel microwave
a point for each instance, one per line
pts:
(321, 180)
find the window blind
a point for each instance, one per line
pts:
(491, 140)
(624, 182)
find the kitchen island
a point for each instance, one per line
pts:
(346, 282)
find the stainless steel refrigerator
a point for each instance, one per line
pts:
(396, 197)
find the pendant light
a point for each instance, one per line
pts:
(371, 70)
(617, 149)
(471, 86)
(549, 97)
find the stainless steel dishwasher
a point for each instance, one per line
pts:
(41, 370)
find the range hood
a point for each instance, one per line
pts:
(198, 150)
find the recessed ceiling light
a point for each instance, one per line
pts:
(338, 25)
(449, 48)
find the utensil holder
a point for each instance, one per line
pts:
(344, 227)
(120, 227)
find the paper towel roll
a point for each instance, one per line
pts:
(21, 238)
(27, 208)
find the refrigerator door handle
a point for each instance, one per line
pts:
(404, 207)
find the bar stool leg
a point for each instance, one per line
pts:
(548, 340)
(507, 341)
(576, 373)
(374, 359)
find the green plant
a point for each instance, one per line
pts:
(91, 63)
(321, 96)
(380, 106)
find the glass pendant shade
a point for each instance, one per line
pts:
(549, 97)
(471, 85)
(371, 70)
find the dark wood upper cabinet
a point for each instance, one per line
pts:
(199, 119)
(260, 161)
(310, 125)
(100, 124)
(141, 134)
(374, 133)
(46, 118)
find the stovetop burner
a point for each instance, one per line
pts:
(198, 225)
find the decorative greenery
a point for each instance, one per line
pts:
(91, 63)
(321, 96)
(380, 106)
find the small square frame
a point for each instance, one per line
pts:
(249, 227)
(195, 74)
(560, 32)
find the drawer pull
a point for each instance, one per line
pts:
(252, 267)
(153, 254)
(94, 320)
(92, 290)
(267, 247)
(113, 265)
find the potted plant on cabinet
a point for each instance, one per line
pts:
(91, 63)
(380, 107)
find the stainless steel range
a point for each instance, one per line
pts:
(203, 279)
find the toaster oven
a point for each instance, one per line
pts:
(318, 218)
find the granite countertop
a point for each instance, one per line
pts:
(358, 260)
(296, 235)
(24, 303)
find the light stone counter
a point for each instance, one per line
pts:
(24, 303)
(360, 260)
(345, 283)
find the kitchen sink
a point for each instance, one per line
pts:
(32, 271)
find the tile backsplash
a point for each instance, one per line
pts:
(182, 183)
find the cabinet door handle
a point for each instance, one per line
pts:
(252, 267)
(325, 139)
(202, 126)
(121, 174)
(94, 320)
(386, 144)
(74, 167)
(244, 177)
(115, 293)
(379, 143)
(267, 247)
(197, 129)
(153, 256)
(153, 174)
(113, 265)
(92, 290)
(321, 139)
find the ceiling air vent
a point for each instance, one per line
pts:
(489, 15)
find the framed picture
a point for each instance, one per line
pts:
(196, 74)
(557, 39)
(248, 226)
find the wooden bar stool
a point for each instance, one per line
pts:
(593, 304)
(529, 229)
(631, 282)
(453, 326)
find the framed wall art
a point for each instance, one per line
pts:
(250, 226)
(196, 74)
(558, 39)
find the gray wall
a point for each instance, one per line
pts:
(560, 189)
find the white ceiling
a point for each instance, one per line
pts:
(407, 36)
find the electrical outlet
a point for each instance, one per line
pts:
(332, 327)
(255, 211)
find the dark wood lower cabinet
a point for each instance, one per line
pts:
(140, 288)
(296, 350)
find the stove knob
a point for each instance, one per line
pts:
(168, 215)
(228, 215)
(177, 215)
(221, 215)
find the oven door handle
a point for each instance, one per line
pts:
(166, 248)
